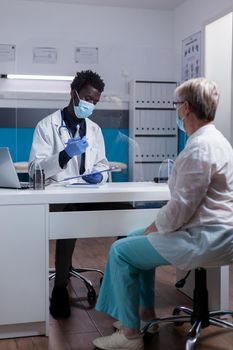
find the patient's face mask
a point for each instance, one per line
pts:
(84, 109)
(180, 122)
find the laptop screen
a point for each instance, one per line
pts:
(8, 174)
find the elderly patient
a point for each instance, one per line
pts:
(192, 229)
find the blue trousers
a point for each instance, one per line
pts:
(129, 279)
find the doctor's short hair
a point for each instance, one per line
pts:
(202, 95)
(85, 78)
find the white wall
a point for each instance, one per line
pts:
(218, 66)
(133, 43)
(191, 17)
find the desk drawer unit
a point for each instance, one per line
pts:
(102, 223)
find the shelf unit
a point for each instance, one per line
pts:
(152, 126)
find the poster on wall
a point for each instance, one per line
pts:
(86, 55)
(44, 55)
(7, 53)
(191, 56)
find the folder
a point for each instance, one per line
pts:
(137, 129)
(143, 97)
(155, 96)
(148, 95)
(137, 94)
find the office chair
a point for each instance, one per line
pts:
(199, 316)
(76, 272)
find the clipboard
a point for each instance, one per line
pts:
(114, 168)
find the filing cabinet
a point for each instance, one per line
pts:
(152, 124)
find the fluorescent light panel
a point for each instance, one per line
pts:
(39, 77)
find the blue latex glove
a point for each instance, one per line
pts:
(76, 146)
(93, 178)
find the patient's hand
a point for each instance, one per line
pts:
(151, 228)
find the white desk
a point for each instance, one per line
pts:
(26, 227)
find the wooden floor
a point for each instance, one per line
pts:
(85, 323)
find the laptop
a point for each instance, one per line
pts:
(8, 174)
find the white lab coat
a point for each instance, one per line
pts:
(195, 228)
(49, 140)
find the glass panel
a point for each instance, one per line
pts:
(137, 144)
(165, 170)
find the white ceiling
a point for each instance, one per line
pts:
(145, 4)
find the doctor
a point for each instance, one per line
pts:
(66, 144)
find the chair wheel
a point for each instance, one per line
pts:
(147, 338)
(91, 297)
(176, 312)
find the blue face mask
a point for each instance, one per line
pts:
(180, 122)
(84, 109)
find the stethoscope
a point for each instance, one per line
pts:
(63, 126)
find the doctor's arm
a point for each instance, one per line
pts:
(75, 146)
(42, 151)
(100, 161)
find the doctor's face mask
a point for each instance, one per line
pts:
(84, 108)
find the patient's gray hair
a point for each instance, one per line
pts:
(202, 95)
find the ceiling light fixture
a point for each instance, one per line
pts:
(37, 77)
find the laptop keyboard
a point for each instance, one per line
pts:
(25, 185)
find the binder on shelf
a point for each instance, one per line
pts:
(160, 123)
(137, 94)
(173, 122)
(171, 148)
(154, 95)
(147, 87)
(137, 122)
(143, 100)
(164, 95)
(170, 94)
(148, 124)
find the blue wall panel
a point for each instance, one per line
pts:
(19, 142)
(24, 141)
(117, 149)
(8, 138)
(182, 138)
(114, 125)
